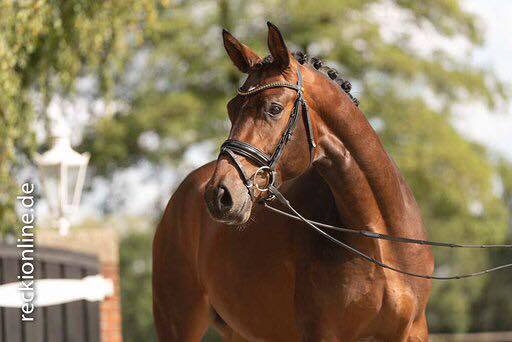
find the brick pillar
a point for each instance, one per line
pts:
(105, 244)
(110, 308)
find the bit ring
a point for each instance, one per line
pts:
(263, 170)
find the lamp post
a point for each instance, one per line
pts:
(62, 172)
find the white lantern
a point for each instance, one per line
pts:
(62, 173)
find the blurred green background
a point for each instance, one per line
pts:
(160, 78)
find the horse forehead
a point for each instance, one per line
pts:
(262, 76)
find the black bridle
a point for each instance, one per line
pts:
(267, 164)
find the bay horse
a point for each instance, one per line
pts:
(221, 258)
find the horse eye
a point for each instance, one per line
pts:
(275, 109)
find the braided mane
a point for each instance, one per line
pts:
(316, 63)
(333, 74)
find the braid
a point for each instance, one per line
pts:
(300, 56)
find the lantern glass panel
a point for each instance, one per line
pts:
(72, 178)
(51, 182)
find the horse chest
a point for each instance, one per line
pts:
(249, 280)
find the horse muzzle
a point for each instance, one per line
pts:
(228, 204)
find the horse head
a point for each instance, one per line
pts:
(275, 121)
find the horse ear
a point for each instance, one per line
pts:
(277, 46)
(242, 56)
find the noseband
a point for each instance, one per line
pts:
(267, 163)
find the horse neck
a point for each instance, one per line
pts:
(364, 179)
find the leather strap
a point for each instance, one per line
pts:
(243, 175)
(254, 90)
(287, 134)
(309, 132)
(246, 150)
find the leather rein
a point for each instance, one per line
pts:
(267, 163)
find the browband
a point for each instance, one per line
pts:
(254, 90)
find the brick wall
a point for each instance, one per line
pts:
(105, 244)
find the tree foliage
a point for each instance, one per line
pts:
(45, 46)
(493, 310)
(135, 269)
(185, 79)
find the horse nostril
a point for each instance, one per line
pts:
(224, 199)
